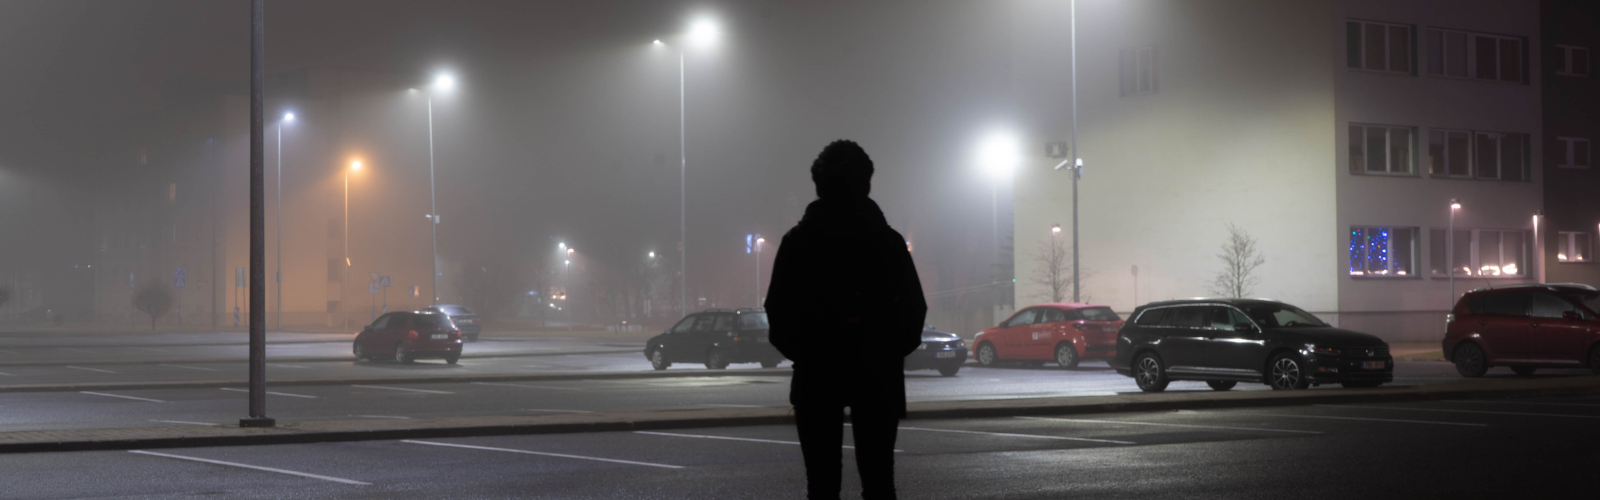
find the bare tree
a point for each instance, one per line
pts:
(1052, 268)
(153, 300)
(1240, 259)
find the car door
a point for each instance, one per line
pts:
(371, 335)
(1050, 326)
(1559, 329)
(1236, 347)
(679, 338)
(1502, 323)
(1009, 345)
(1183, 347)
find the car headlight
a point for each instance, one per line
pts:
(960, 344)
(1323, 350)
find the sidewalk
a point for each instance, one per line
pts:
(364, 430)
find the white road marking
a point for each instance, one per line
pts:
(731, 406)
(1371, 419)
(753, 440)
(562, 455)
(6, 374)
(1007, 434)
(201, 368)
(382, 416)
(526, 386)
(75, 350)
(1526, 403)
(1124, 422)
(89, 369)
(281, 365)
(149, 349)
(558, 411)
(256, 467)
(1467, 411)
(231, 389)
(184, 422)
(13, 353)
(401, 389)
(123, 397)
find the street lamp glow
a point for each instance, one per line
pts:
(355, 165)
(656, 42)
(652, 255)
(444, 82)
(998, 155)
(1056, 229)
(704, 31)
(288, 117)
(1455, 205)
(761, 240)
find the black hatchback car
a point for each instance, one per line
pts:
(464, 319)
(939, 351)
(1227, 341)
(716, 337)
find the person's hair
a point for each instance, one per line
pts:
(842, 170)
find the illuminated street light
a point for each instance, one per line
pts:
(759, 242)
(443, 82)
(1450, 248)
(702, 31)
(355, 166)
(1055, 230)
(287, 117)
(997, 157)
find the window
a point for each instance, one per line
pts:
(1477, 154)
(1476, 55)
(1572, 60)
(1572, 246)
(432, 322)
(1379, 46)
(1380, 149)
(1139, 71)
(1512, 303)
(1479, 252)
(1545, 305)
(684, 326)
(1187, 317)
(1152, 317)
(753, 321)
(335, 269)
(1577, 149)
(1098, 314)
(1025, 317)
(1383, 251)
(1052, 315)
(725, 323)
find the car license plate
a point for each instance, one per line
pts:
(946, 354)
(1108, 329)
(1372, 365)
(439, 336)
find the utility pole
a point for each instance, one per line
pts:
(258, 255)
(1077, 162)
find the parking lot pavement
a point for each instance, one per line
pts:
(1532, 448)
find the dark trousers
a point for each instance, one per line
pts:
(821, 428)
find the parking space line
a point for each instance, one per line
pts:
(730, 406)
(1466, 411)
(281, 365)
(557, 411)
(753, 440)
(13, 353)
(256, 467)
(429, 391)
(149, 349)
(382, 416)
(1527, 403)
(1371, 419)
(89, 369)
(185, 422)
(6, 374)
(526, 386)
(191, 367)
(1008, 434)
(232, 389)
(562, 455)
(120, 396)
(1124, 422)
(75, 350)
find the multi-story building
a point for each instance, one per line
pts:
(1335, 134)
(1571, 104)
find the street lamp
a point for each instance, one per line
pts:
(287, 117)
(1450, 248)
(759, 241)
(997, 157)
(344, 281)
(703, 31)
(443, 82)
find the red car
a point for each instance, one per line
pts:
(1065, 333)
(406, 336)
(1525, 327)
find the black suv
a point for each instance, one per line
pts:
(716, 337)
(1227, 341)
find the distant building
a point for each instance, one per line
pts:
(1335, 133)
(1571, 104)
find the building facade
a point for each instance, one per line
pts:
(1571, 101)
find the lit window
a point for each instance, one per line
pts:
(1379, 46)
(1476, 55)
(1479, 252)
(1380, 149)
(1574, 247)
(1383, 251)
(1577, 152)
(1572, 60)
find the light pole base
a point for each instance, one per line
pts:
(258, 422)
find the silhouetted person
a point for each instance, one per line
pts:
(845, 305)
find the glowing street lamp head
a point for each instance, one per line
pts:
(355, 165)
(1454, 205)
(760, 240)
(656, 43)
(288, 117)
(444, 83)
(998, 156)
(704, 31)
(1056, 229)
(652, 255)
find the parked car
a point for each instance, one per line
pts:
(464, 319)
(1525, 327)
(1226, 341)
(407, 336)
(716, 337)
(939, 351)
(1065, 333)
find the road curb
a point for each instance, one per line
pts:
(367, 430)
(309, 359)
(448, 379)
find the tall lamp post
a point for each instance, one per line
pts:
(759, 241)
(1450, 248)
(702, 31)
(998, 157)
(441, 83)
(287, 117)
(344, 281)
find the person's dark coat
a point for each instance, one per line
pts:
(845, 305)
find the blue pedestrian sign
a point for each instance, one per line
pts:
(179, 277)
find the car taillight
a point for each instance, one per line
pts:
(455, 334)
(1449, 318)
(413, 335)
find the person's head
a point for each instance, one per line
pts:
(842, 171)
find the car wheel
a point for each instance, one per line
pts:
(1286, 372)
(1149, 373)
(1470, 361)
(1221, 385)
(950, 372)
(1523, 370)
(987, 356)
(360, 352)
(1360, 385)
(771, 363)
(716, 360)
(658, 360)
(1066, 356)
(452, 359)
(402, 355)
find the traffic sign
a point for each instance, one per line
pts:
(383, 281)
(238, 277)
(372, 288)
(179, 278)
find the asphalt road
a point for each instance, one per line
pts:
(1534, 448)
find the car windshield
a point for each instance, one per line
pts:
(455, 310)
(1098, 314)
(753, 321)
(432, 321)
(1281, 316)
